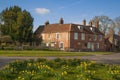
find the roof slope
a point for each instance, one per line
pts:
(39, 30)
(53, 28)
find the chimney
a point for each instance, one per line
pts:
(47, 22)
(84, 22)
(111, 35)
(90, 23)
(119, 32)
(61, 21)
(97, 24)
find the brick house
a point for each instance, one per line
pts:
(75, 37)
(112, 41)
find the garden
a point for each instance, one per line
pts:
(59, 69)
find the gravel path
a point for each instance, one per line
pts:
(109, 59)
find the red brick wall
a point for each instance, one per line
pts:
(80, 44)
(68, 39)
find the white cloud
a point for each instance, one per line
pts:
(42, 10)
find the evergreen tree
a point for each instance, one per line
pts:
(18, 24)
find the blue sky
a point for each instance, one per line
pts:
(72, 11)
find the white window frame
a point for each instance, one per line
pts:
(88, 45)
(47, 44)
(52, 44)
(92, 29)
(80, 27)
(95, 37)
(49, 36)
(100, 37)
(82, 36)
(75, 36)
(62, 48)
(43, 36)
(57, 35)
(97, 45)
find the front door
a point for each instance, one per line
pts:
(61, 46)
(92, 46)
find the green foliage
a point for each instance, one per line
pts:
(60, 69)
(18, 24)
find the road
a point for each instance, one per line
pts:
(109, 59)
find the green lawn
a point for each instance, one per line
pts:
(48, 53)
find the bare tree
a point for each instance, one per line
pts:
(105, 23)
(117, 22)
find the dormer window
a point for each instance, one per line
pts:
(92, 29)
(80, 27)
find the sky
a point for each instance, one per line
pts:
(72, 11)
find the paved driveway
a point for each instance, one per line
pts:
(109, 59)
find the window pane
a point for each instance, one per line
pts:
(49, 36)
(75, 36)
(97, 45)
(57, 35)
(43, 36)
(88, 45)
(94, 37)
(61, 45)
(47, 44)
(82, 36)
(100, 37)
(52, 44)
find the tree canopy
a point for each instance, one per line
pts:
(117, 22)
(17, 23)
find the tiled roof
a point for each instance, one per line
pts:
(39, 30)
(97, 31)
(53, 28)
(86, 29)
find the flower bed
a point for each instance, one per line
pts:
(59, 69)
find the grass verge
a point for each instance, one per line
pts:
(10, 53)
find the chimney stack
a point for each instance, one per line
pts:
(119, 32)
(97, 24)
(84, 22)
(47, 22)
(90, 23)
(61, 21)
